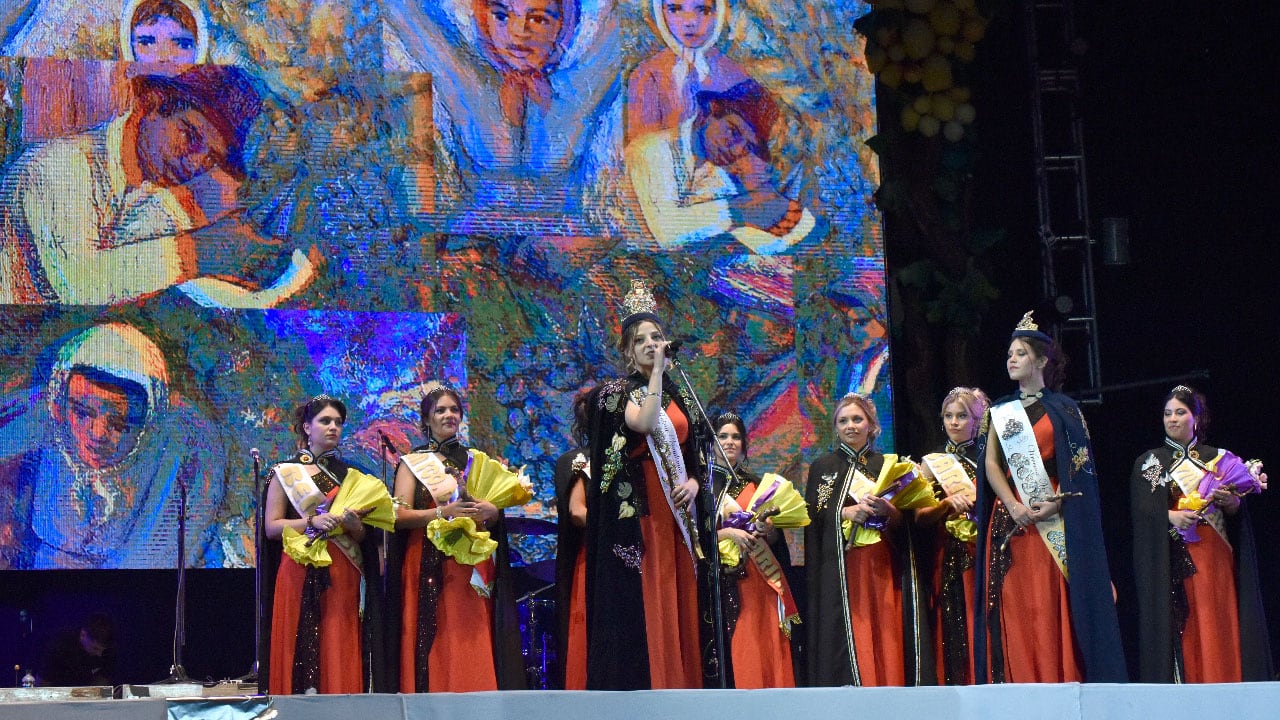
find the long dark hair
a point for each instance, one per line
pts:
(1055, 369)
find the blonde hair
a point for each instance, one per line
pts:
(867, 407)
(973, 399)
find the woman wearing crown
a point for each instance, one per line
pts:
(1035, 458)
(864, 599)
(759, 610)
(1195, 566)
(642, 540)
(458, 627)
(324, 622)
(949, 531)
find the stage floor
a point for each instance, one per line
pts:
(992, 702)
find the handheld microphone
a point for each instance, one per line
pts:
(673, 347)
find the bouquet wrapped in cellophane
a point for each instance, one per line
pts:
(901, 484)
(362, 494)
(1226, 472)
(776, 500)
(486, 479)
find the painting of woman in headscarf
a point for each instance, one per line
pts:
(171, 31)
(164, 36)
(526, 107)
(662, 88)
(93, 457)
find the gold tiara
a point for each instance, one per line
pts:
(639, 299)
(1027, 324)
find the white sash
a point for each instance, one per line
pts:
(1026, 467)
(664, 446)
(430, 471)
(306, 499)
(948, 470)
(860, 485)
(1188, 475)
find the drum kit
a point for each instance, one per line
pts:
(537, 609)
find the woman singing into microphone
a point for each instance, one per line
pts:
(642, 540)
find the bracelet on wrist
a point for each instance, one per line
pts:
(311, 524)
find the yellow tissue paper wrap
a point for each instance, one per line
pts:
(459, 539)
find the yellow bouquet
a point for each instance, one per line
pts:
(775, 499)
(364, 495)
(901, 484)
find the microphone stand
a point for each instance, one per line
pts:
(177, 673)
(386, 447)
(717, 602)
(260, 519)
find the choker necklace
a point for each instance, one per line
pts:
(1031, 396)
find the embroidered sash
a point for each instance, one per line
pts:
(949, 470)
(307, 500)
(1026, 468)
(664, 446)
(1189, 475)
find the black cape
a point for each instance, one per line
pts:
(1153, 546)
(1093, 612)
(829, 647)
(617, 643)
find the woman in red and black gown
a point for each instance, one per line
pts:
(1199, 603)
(320, 639)
(458, 627)
(862, 620)
(759, 610)
(1035, 626)
(949, 531)
(642, 542)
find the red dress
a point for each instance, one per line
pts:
(575, 671)
(1211, 637)
(761, 651)
(875, 611)
(461, 657)
(669, 583)
(1035, 614)
(341, 669)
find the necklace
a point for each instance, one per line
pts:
(1031, 396)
